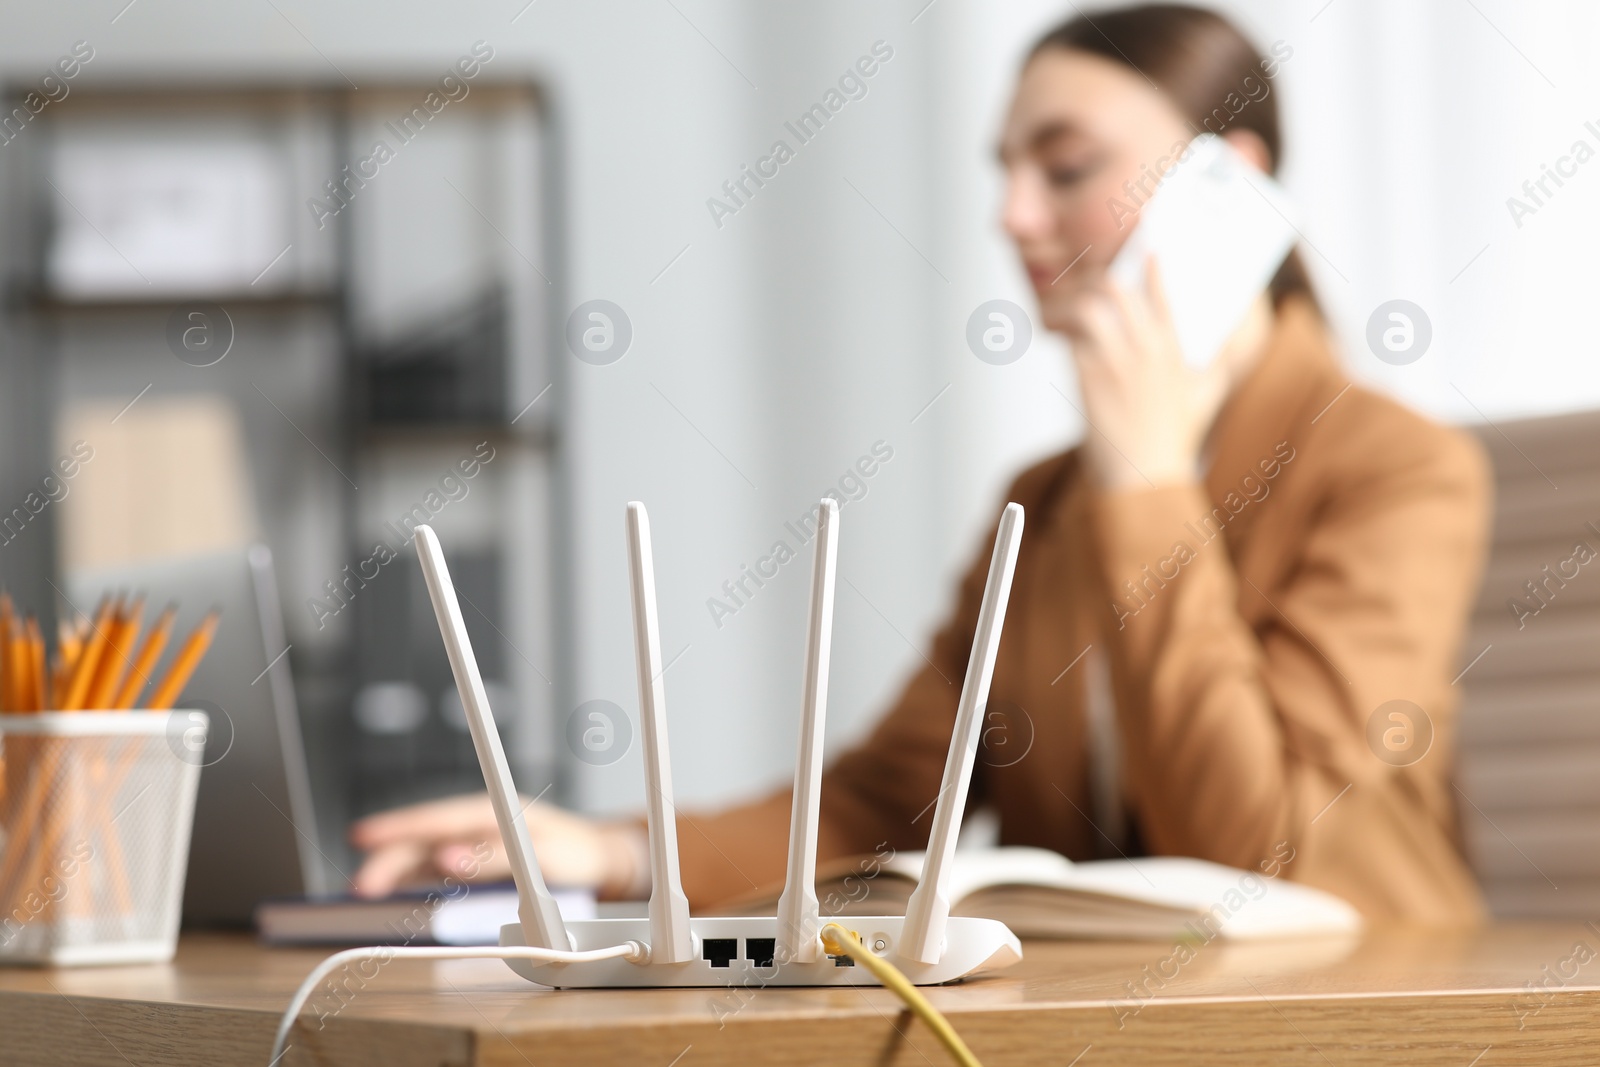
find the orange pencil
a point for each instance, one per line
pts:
(69, 641)
(26, 631)
(36, 667)
(16, 660)
(183, 665)
(8, 678)
(119, 650)
(139, 674)
(68, 645)
(21, 660)
(83, 672)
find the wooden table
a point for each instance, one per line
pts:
(1509, 994)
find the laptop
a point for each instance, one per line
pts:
(254, 831)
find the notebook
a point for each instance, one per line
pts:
(469, 915)
(1039, 893)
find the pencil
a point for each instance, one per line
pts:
(119, 649)
(8, 667)
(17, 665)
(8, 679)
(68, 646)
(83, 672)
(66, 636)
(184, 663)
(144, 662)
(36, 667)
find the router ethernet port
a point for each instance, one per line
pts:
(721, 951)
(842, 961)
(760, 950)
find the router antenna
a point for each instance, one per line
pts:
(671, 940)
(798, 917)
(542, 926)
(928, 910)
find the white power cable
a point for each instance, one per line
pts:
(632, 951)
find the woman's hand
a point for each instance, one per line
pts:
(458, 836)
(1148, 411)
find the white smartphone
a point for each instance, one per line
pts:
(1219, 229)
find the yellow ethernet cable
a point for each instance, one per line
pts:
(836, 940)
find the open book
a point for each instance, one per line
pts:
(1039, 893)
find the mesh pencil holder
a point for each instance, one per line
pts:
(96, 809)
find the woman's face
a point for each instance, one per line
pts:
(1083, 145)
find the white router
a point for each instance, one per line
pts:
(926, 943)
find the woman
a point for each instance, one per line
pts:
(1220, 591)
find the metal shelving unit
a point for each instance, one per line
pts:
(384, 347)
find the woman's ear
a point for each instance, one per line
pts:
(1248, 143)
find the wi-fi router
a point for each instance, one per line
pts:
(928, 944)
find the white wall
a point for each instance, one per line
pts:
(1410, 125)
(822, 318)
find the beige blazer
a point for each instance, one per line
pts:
(1256, 627)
